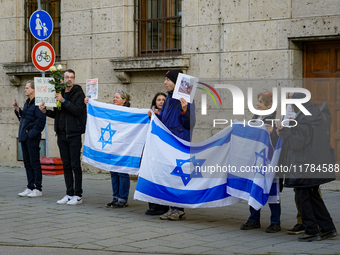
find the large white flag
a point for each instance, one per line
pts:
(115, 136)
(171, 173)
(178, 173)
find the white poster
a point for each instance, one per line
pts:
(92, 88)
(185, 87)
(44, 91)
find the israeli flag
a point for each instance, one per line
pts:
(115, 136)
(172, 171)
(178, 173)
(255, 160)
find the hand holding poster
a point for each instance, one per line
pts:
(44, 91)
(185, 87)
(92, 88)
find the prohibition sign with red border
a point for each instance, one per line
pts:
(43, 56)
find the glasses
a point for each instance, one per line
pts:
(267, 94)
(121, 92)
(69, 77)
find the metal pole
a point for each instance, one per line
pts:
(46, 126)
(46, 129)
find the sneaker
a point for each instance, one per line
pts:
(250, 225)
(297, 229)
(35, 193)
(273, 228)
(64, 200)
(113, 201)
(177, 215)
(329, 234)
(165, 216)
(25, 192)
(75, 201)
(119, 204)
(309, 238)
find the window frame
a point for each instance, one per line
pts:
(168, 42)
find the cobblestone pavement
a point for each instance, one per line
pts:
(91, 228)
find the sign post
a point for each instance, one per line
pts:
(43, 55)
(41, 25)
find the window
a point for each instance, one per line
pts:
(159, 27)
(53, 8)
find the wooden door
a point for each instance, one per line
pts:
(322, 67)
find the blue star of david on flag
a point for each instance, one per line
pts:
(111, 132)
(261, 154)
(186, 178)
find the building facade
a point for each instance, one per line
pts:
(130, 44)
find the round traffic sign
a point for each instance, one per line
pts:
(43, 56)
(41, 25)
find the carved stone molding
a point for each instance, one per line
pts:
(15, 71)
(123, 67)
(15, 80)
(123, 77)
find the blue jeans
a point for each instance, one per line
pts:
(31, 156)
(275, 210)
(120, 186)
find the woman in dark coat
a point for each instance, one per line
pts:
(307, 150)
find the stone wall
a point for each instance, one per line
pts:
(256, 39)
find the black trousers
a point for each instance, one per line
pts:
(69, 148)
(31, 156)
(313, 211)
(158, 207)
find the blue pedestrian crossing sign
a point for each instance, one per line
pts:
(41, 25)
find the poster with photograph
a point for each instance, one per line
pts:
(290, 114)
(185, 87)
(44, 91)
(92, 88)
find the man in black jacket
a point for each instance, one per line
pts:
(309, 153)
(32, 123)
(69, 125)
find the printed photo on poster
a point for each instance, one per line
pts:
(44, 91)
(92, 88)
(185, 87)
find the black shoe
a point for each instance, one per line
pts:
(113, 201)
(119, 204)
(309, 238)
(152, 211)
(297, 229)
(273, 228)
(250, 225)
(329, 234)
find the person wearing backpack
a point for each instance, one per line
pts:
(306, 148)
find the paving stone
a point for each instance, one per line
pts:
(92, 226)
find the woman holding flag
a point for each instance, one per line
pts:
(120, 181)
(264, 102)
(156, 106)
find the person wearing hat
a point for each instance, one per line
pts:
(179, 117)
